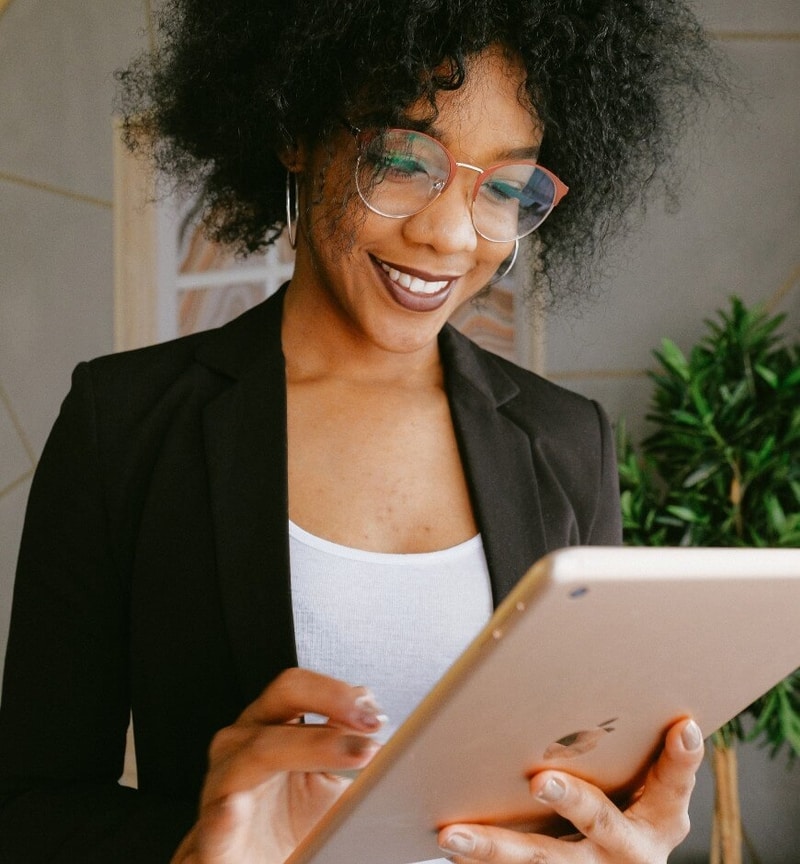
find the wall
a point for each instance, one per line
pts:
(737, 232)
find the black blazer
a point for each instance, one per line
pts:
(154, 571)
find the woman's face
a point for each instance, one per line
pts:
(395, 282)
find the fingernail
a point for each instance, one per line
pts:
(358, 745)
(370, 713)
(461, 844)
(691, 736)
(553, 790)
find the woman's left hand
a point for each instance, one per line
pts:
(645, 833)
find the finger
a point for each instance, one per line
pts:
(592, 814)
(296, 692)
(293, 748)
(672, 775)
(243, 757)
(221, 833)
(659, 819)
(491, 844)
(186, 852)
(671, 779)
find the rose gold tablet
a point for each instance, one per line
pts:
(582, 667)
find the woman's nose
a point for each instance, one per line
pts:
(446, 224)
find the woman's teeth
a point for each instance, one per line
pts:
(412, 283)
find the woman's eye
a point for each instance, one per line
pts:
(502, 191)
(395, 166)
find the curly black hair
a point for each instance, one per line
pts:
(233, 82)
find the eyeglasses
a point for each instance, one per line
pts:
(400, 172)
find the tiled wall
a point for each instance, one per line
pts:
(56, 87)
(737, 232)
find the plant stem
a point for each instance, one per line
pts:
(727, 829)
(736, 495)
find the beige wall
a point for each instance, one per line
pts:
(56, 87)
(738, 232)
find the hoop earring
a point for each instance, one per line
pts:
(498, 276)
(291, 223)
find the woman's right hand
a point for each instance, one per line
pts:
(268, 780)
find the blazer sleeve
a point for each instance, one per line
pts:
(65, 703)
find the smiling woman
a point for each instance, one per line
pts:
(211, 515)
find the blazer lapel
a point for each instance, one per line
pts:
(245, 433)
(497, 460)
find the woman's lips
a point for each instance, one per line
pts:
(413, 283)
(412, 291)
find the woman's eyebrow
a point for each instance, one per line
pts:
(512, 155)
(428, 126)
(522, 153)
(425, 126)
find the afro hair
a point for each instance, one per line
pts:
(232, 83)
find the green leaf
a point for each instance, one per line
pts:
(687, 419)
(684, 513)
(768, 375)
(792, 380)
(701, 474)
(673, 359)
(775, 514)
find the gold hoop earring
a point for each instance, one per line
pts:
(498, 276)
(292, 211)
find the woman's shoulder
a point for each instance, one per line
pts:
(224, 351)
(155, 361)
(136, 395)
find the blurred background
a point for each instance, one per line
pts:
(737, 232)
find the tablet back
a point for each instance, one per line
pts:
(582, 667)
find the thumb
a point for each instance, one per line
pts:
(223, 829)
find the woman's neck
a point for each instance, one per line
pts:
(318, 343)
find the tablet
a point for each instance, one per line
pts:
(582, 667)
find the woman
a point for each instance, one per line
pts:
(212, 518)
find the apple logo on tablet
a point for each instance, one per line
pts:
(578, 743)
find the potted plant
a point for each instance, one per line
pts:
(722, 468)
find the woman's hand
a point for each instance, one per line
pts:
(267, 782)
(645, 833)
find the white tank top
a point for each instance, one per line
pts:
(391, 622)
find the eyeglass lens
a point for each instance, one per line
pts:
(400, 172)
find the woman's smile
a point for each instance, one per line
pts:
(414, 290)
